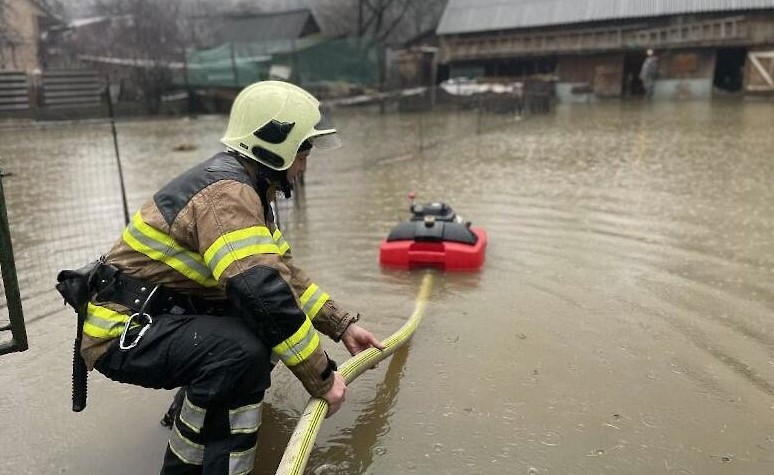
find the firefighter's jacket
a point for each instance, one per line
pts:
(209, 233)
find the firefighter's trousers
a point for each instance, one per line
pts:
(225, 369)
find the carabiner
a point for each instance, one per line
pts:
(122, 343)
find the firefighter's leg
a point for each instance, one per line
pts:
(220, 439)
(225, 369)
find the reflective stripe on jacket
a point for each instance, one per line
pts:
(206, 234)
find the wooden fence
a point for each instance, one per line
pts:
(71, 89)
(14, 92)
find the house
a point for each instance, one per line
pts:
(22, 25)
(595, 48)
(258, 27)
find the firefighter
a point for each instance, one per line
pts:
(201, 290)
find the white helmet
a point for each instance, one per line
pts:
(271, 119)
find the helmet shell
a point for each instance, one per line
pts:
(270, 120)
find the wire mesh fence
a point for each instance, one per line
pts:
(63, 189)
(420, 119)
(63, 200)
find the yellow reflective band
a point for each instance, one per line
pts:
(101, 322)
(312, 300)
(299, 346)
(236, 245)
(241, 463)
(281, 243)
(246, 419)
(192, 415)
(160, 247)
(186, 450)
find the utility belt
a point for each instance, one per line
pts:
(146, 301)
(111, 285)
(105, 283)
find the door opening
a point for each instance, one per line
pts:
(729, 69)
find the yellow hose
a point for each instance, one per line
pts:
(300, 445)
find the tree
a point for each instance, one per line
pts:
(54, 8)
(386, 21)
(147, 32)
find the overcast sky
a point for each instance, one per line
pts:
(80, 8)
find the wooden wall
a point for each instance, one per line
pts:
(23, 53)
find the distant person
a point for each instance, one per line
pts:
(201, 290)
(648, 73)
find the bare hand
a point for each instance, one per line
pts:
(357, 339)
(336, 394)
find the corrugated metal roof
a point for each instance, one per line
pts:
(266, 26)
(466, 16)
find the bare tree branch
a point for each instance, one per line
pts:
(387, 21)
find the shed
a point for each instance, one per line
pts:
(705, 46)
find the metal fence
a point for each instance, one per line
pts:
(64, 191)
(424, 118)
(13, 333)
(53, 225)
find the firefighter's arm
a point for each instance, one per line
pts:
(325, 314)
(239, 249)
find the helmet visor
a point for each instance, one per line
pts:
(326, 119)
(326, 142)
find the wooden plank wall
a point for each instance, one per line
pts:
(759, 74)
(71, 89)
(14, 91)
(687, 32)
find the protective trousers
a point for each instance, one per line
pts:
(225, 369)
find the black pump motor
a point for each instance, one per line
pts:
(440, 211)
(433, 222)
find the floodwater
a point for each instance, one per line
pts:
(622, 323)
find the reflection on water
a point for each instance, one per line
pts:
(621, 324)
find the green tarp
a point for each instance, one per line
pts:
(310, 60)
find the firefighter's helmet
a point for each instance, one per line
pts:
(270, 120)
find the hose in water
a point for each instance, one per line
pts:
(300, 445)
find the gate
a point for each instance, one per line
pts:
(15, 325)
(761, 71)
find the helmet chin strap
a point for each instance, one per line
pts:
(266, 176)
(278, 178)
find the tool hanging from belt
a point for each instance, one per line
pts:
(75, 287)
(106, 283)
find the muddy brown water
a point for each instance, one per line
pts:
(623, 322)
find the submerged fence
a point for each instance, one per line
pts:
(63, 187)
(63, 203)
(420, 119)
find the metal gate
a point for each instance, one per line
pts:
(15, 324)
(761, 76)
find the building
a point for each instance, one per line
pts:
(271, 26)
(286, 45)
(22, 23)
(595, 48)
